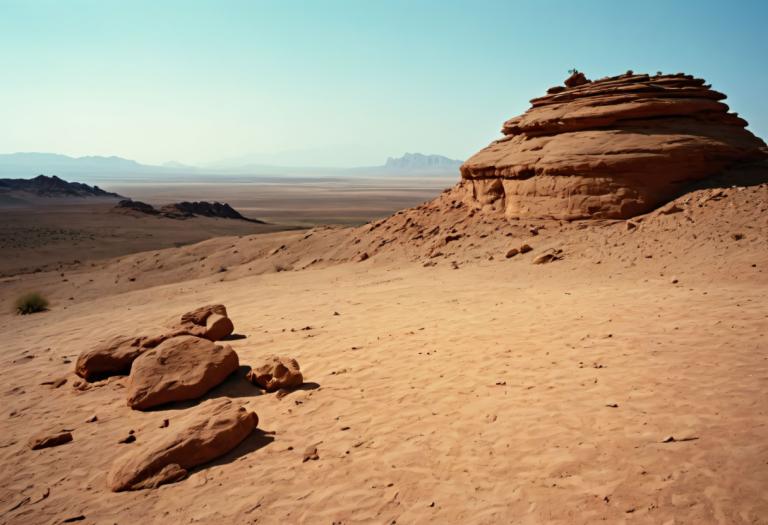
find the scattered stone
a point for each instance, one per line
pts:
(94, 418)
(310, 454)
(180, 368)
(217, 327)
(737, 236)
(197, 322)
(276, 373)
(211, 430)
(362, 257)
(546, 258)
(669, 209)
(525, 248)
(49, 440)
(674, 280)
(631, 225)
(130, 438)
(673, 439)
(512, 252)
(55, 383)
(165, 423)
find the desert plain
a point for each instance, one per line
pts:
(503, 352)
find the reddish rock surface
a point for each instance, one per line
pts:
(48, 440)
(116, 355)
(209, 431)
(276, 372)
(111, 357)
(611, 148)
(180, 368)
(210, 321)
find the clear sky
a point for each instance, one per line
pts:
(338, 83)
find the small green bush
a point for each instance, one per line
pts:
(30, 303)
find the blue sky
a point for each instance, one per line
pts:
(338, 83)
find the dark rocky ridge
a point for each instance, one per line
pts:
(184, 210)
(44, 186)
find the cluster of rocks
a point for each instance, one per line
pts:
(181, 365)
(611, 148)
(184, 210)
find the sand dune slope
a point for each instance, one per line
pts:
(445, 383)
(478, 395)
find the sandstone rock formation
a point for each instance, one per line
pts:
(210, 321)
(211, 430)
(180, 368)
(276, 372)
(613, 148)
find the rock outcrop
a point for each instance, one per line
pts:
(137, 206)
(183, 210)
(612, 148)
(44, 186)
(211, 430)
(276, 372)
(178, 369)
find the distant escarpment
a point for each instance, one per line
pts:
(183, 210)
(44, 186)
(611, 148)
(421, 162)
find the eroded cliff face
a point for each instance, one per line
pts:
(613, 148)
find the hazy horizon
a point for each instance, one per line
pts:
(337, 84)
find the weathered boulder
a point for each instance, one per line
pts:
(210, 321)
(113, 357)
(611, 148)
(276, 372)
(207, 432)
(116, 355)
(180, 368)
(46, 440)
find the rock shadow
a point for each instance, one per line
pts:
(235, 386)
(258, 439)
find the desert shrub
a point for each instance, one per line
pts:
(30, 303)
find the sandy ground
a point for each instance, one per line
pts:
(455, 388)
(297, 201)
(53, 233)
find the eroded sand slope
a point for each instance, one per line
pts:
(454, 385)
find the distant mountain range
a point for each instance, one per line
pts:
(26, 165)
(421, 162)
